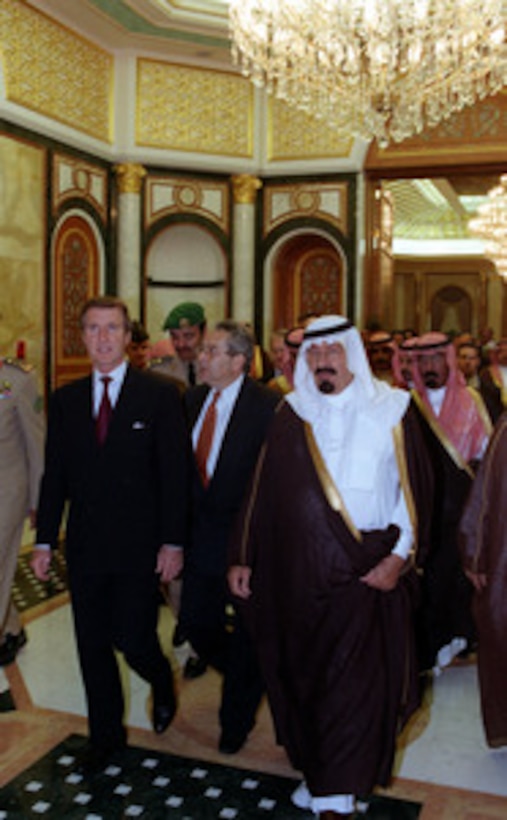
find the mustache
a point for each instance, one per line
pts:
(430, 374)
(322, 370)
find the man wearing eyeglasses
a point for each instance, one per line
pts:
(228, 415)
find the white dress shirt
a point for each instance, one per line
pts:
(224, 407)
(436, 396)
(117, 377)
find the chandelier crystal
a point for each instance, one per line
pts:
(381, 69)
(490, 225)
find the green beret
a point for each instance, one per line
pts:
(184, 315)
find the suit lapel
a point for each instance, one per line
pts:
(123, 398)
(80, 409)
(85, 407)
(195, 399)
(233, 434)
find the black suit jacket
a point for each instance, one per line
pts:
(214, 508)
(127, 497)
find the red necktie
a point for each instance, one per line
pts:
(205, 439)
(105, 412)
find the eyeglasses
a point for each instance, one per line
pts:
(213, 351)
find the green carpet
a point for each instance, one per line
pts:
(28, 591)
(153, 785)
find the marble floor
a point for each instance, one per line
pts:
(442, 762)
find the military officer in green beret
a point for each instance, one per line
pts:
(21, 462)
(186, 324)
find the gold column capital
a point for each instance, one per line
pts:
(244, 188)
(130, 177)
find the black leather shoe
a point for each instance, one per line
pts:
(163, 714)
(11, 646)
(230, 743)
(94, 759)
(194, 668)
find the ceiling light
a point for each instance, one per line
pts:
(381, 69)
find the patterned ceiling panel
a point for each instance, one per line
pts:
(437, 208)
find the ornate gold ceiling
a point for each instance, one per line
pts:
(437, 208)
(196, 29)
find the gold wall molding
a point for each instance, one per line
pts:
(470, 137)
(23, 237)
(293, 135)
(181, 108)
(244, 188)
(74, 178)
(53, 71)
(166, 196)
(130, 177)
(326, 201)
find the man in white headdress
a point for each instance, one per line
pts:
(323, 560)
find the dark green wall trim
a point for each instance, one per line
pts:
(224, 239)
(347, 243)
(179, 283)
(185, 219)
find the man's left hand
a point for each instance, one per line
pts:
(169, 563)
(238, 577)
(478, 579)
(385, 574)
(40, 563)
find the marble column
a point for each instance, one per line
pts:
(244, 188)
(130, 179)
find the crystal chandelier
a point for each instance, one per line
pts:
(380, 69)
(490, 225)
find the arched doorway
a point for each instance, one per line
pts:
(451, 310)
(437, 180)
(77, 266)
(307, 278)
(184, 262)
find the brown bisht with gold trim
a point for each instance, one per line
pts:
(484, 551)
(445, 611)
(337, 655)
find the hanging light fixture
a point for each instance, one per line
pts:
(490, 225)
(381, 69)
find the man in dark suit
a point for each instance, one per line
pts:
(117, 451)
(468, 359)
(242, 411)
